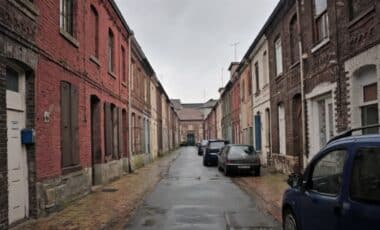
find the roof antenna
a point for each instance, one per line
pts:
(234, 45)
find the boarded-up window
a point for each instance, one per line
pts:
(108, 129)
(370, 92)
(69, 125)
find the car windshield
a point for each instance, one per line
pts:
(243, 150)
(204, 143)
(217, 145)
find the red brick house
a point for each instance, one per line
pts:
(235, 105)
(82, 98)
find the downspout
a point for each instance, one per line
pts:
(303, 109)
(130, 103)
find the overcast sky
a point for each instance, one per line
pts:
(188, 42)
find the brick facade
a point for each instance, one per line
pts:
(17, 48)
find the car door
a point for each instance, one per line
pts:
(361, 210)
(322, 191)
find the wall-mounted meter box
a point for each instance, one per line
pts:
(28, 136)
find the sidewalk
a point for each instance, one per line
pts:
(109, 207)
(268, 189)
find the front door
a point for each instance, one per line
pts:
(18, 196)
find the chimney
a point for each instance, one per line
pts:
(232, 68)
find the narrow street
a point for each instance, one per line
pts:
(192, 196)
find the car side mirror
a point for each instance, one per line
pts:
(294, 180)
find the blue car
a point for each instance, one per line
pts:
(212, 150)
(340, 188)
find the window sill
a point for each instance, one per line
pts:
(95, 60)
(321, 44)
(360, 16)
(69, 38)
(279, 76)
(124, 84)
(112, 74)
(295, 65)
(71, 169)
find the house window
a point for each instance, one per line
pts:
(359, 6)
(278, 56)
(321, 20)
(257, 77)
(111, 48)
(67, 16)
(12, 80)
(294, 40)
(95, 31)
(69, 125)
(281, 129)
(370, 111)
(123, 65)
(265, 68)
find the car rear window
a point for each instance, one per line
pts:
(365, 180)
(217, 145)
(237, 151)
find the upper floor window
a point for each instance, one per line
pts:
(111, 51)
(67, 16)
(294, 54)
(95, 31)
(278, 56)
(321, 20)
(123, 65)
(257, 76)
(359, 6)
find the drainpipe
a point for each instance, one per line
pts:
(300, 47)
(129, 104)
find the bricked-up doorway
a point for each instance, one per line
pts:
(18, 186)
(96, 150)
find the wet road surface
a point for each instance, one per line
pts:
(193, 197)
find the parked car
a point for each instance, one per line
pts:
(212, 150)
(237, 158)
(340, 188)
(202, 146)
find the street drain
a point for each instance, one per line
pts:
(110, 190)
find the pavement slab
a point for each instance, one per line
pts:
(108, 207)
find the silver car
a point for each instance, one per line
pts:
(237, 158)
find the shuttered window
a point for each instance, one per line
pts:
(69, 125)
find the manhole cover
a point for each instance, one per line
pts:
(110, 190)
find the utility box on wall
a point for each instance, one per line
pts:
(27, 136)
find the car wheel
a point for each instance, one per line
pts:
(258, 171)
(290, 222)
(204, 162)
(226, 171)
(219, 168)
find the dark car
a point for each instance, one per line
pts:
(340, 188)
(213, 149)
(238, 158)
(202, 146)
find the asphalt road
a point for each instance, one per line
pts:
(193, 197)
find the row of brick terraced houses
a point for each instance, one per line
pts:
(312, 72)
(80, 105)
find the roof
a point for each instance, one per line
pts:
(373, 138)
(187, 114)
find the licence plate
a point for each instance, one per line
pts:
(244, 167)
